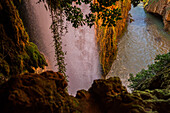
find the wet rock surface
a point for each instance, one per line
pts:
(46, 93)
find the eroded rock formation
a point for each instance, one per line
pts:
(107, 36)
(162, 8)
(46, 93)
(36, 93)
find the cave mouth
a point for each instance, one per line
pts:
(159, 17)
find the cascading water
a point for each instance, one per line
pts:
(82, 56)
(37, 22)
(143, 40)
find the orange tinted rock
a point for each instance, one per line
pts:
(107, 36)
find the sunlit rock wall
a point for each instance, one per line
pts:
(107, 36)
(162, 8)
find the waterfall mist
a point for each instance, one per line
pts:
(82, 57)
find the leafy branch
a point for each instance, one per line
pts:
(161, 61)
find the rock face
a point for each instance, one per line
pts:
(46, 93)
(162, 8)
(36, 93)
(107, 36)
(17, 54)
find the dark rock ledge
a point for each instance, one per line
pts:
(46, 93)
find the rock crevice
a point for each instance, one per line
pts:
(162, 8)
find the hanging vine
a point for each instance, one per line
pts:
(57, 28)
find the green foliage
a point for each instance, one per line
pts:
(37, 59)
(108, 16)
(161, 61)
(74, 14)
(135, 2)
(57, 28)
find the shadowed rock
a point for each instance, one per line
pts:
(46, 93)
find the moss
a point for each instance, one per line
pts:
(158, 100)
(144, 95)
(37, 59)
(37, 93)
(161, 93)
(45, 92)
(138, 108)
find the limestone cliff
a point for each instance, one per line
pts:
(162, 8)
(17, 54)
(107, 36)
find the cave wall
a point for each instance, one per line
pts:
(107, 36)
(17, 54)
(160, 7)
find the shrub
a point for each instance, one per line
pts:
(161, 61)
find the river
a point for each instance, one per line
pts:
(141, 42)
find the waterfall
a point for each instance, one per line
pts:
(82, 57)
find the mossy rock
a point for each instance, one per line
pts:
(145, 95)
(18, 55)
(36, 58)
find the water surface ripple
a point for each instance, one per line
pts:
(143, 40)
